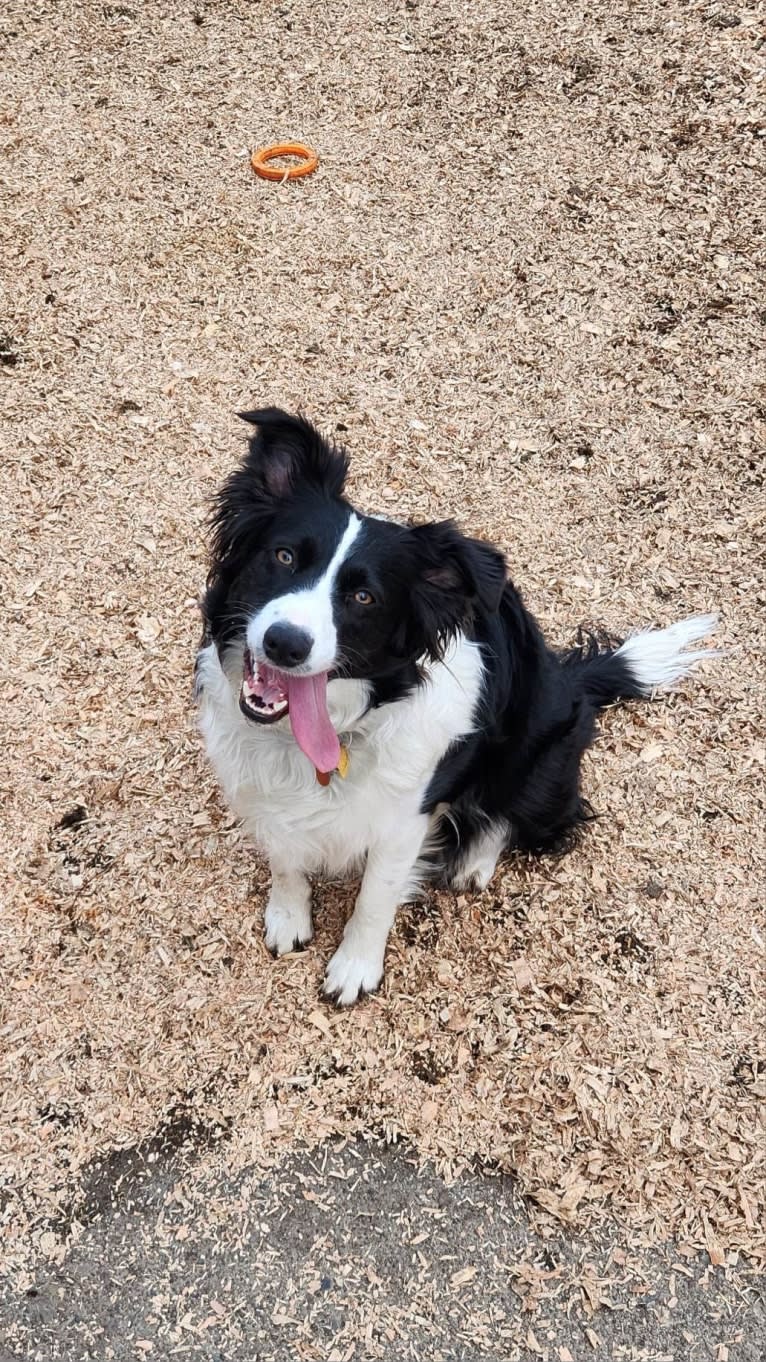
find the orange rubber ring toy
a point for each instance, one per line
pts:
(309, 161)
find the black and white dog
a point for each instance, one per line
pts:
(376, 695)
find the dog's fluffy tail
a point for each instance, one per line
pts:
(645, 662)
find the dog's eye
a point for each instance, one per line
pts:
(284, 556)
(364, 598)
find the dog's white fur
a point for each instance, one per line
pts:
(372, 819)
(658, 657)
(477, 865)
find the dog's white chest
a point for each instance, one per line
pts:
(392, 754)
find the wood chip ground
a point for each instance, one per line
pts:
(526, 287)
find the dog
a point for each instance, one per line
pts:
(375, 696)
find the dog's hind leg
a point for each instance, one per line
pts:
(477, 863)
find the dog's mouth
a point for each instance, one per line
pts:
(263, 696)
(267, 695)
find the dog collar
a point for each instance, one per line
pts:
(324, 777)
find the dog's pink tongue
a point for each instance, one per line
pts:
(310, 721)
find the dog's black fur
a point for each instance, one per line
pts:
(538, 716)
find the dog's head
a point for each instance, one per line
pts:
(311, 589)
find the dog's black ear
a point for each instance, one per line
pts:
(286, 450)
(453, 576)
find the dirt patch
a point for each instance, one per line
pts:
(355, 1249)
(525, 287)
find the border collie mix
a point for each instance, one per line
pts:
(375, 695)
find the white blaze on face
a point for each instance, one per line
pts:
(311, 609)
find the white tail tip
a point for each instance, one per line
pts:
(657, 657)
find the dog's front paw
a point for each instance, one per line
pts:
(288, 927)
(350, 974)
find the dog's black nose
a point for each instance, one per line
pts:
(287, 646)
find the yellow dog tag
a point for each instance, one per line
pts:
(342, 768)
